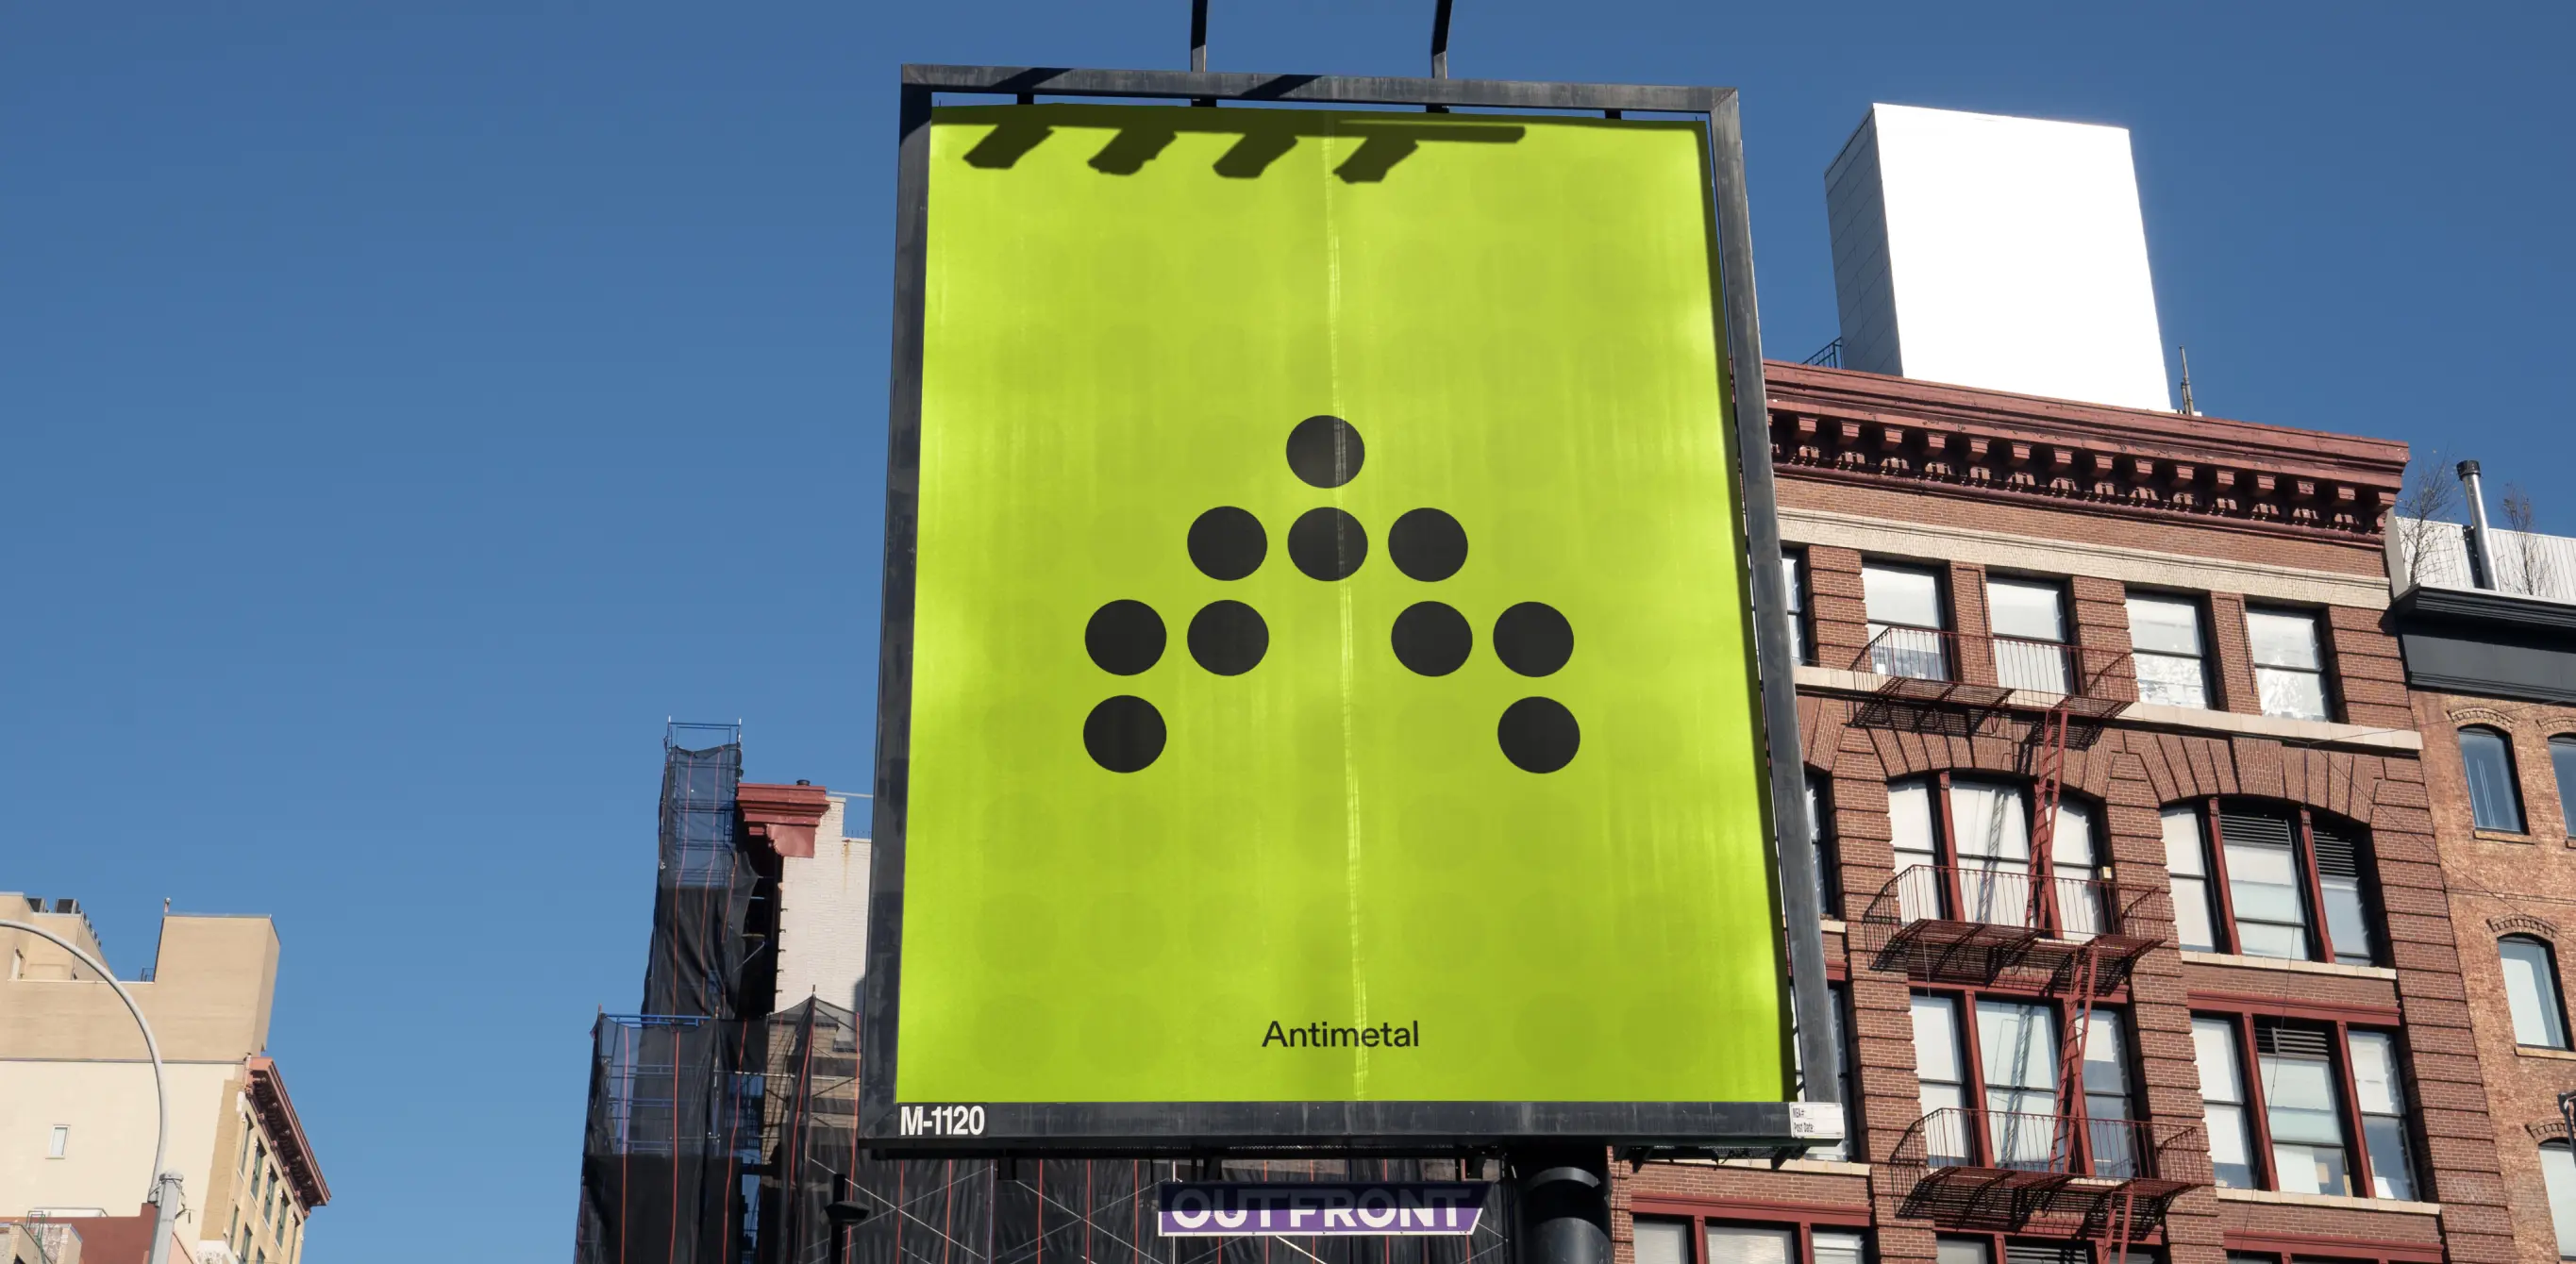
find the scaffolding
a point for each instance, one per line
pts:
(718, 1134)
(2017, 923)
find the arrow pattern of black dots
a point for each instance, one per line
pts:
(1229, 638)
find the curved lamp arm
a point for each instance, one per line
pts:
(160, 1088)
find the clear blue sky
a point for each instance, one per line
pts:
(404, 413)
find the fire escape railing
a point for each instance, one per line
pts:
(1968, 1167)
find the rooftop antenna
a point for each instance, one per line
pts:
(2187, 409)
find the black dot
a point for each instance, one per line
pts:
(1327, 544)
(1123, 734)
(1539, 735)
(1228, 543)
(1427, 544)
(1228, 637)
(1533, 639)
(1432, 638)
(1124, 637)
(1325, 451)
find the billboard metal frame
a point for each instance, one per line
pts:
(1202, 1128)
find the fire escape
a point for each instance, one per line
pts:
(2017, 924)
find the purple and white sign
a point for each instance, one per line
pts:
(1209, 1209)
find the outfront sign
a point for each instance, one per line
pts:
(1281, 1210)
(1320, 694)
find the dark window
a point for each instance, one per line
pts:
(2281, 882)
(2531, 992)
(1908, 621)
(2562, 760)
(1793, 579)
(1820, 838)
(2495, 795)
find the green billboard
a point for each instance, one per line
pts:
(1329, 665)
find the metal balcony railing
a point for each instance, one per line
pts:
(1979, 921)
(2003, 893)
(1933, 665)
(2008, 1169)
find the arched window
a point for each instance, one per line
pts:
(1963, 851)
(2245, 886)
(2558, 1171)
(2562, 758)
(2531, 992)
(2495, 801)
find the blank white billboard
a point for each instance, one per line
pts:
(2006, 253)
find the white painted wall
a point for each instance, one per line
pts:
(823, 912)
(1998, 252)
(109, 1106)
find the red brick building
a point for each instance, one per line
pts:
(2491, 652)
(2176, 629)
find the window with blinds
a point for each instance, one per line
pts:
(2342, 859)
(2264, 883)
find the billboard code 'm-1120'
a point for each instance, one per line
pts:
(942, 1121)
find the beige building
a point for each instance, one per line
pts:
(77, 1115)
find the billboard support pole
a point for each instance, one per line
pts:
(1790, 827)
(1565, 1204)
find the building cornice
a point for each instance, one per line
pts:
(783, 816)
(1845, 425)
(276, 1112)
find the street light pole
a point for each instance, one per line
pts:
(165, 1193)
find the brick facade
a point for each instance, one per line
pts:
(2507, 883)
(2099, 499)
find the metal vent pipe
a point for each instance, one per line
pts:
(2481, 550)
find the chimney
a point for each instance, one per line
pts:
(2006, 253)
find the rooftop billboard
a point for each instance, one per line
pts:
(1327, 701)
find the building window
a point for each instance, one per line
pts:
(2558, 1172)
(2495, 797)
(2381, 1101)
(1661, 1241)
(1941, 1069)
(1793, 581)
(2301, 1110)
(2223, 1102)
(2187, 860)
(2007, 1063)
(1907, 630)
(2166, 645)
(1963, 853)
(1667, 1240)
(58, 1143)
(1838, 1020)
(2289, 882)
(1751, 1244)
(2293, 1127)
(2562, 761)
(2028, 619)
(1820, 841)
(2289, 663)
(2531, 992)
